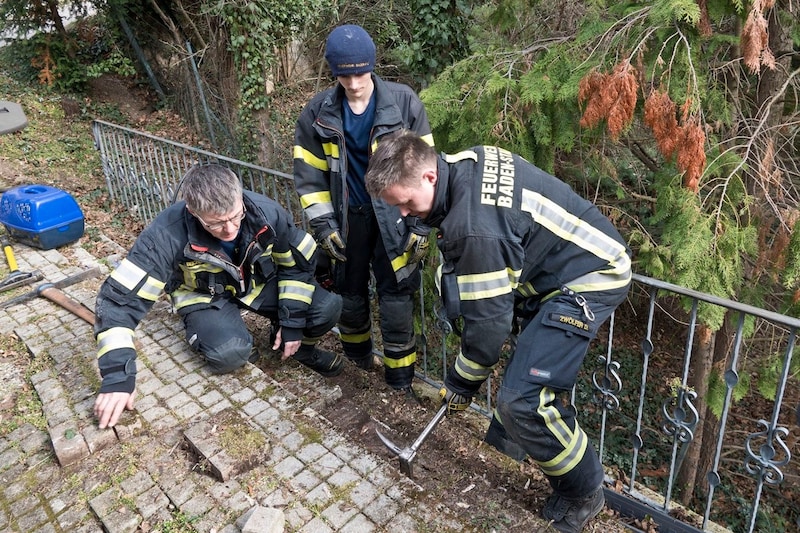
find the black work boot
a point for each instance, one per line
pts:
(409, 395)
(327, 363)
(570, 515)
(364, 363)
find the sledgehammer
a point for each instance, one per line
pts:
(408, 453)
(16, 277)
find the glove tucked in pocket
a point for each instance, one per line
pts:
(417, 245)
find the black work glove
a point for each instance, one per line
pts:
(331, 241)
(456, 402)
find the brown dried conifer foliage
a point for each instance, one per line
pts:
(686, 141)
(691, 158)
(755, 38)
(659, 115)
(610, 97)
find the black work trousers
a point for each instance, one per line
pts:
(550, 350)
(220, 335)
(367, 256)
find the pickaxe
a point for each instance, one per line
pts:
(408, 453)
(52, 291)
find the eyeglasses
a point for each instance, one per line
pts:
(216, 226)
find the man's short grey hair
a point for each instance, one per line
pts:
(210, 188)
(399, 160)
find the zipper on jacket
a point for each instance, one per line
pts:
(343, 176)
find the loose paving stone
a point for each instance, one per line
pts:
(264, 520)
(68, 443)
(229, 443)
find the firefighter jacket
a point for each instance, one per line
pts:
(174, 254)
(320, 163)
(512, 235)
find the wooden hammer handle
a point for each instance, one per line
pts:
(57, 296)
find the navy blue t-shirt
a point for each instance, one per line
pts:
(356, 140)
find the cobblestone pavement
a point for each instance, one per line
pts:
(165, 463)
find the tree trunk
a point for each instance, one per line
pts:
(698, 381)
(772, 79)
(721, 351)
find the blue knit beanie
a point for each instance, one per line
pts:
(350, 50)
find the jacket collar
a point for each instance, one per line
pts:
(386, 111)
(441, 194)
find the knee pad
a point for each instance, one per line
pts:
(229, 356)
(355, 316)
(397, 320)
(325, 314)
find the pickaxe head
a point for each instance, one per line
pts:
(407, 454)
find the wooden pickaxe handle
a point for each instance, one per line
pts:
(56, 295)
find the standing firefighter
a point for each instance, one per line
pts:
(218, 251)
(517, 244)
(335, 136)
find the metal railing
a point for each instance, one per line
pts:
(143, 171)
(643, 429)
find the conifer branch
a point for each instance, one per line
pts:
(750, 146)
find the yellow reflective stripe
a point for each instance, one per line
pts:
(526, 290)
(185, 298)
(301, 153)
(331, 149)
(574, 444)
(575, 230)
(114, 339)
(317, 204)
(355, 338)
(250, 297)
(284, 259)
(128, 275)
(603, 280)
(486, 285)
(151, 289)
(470, 370)
(401, 261)
(403, 362)
(295, 290)
(319, 197)
(307, 247)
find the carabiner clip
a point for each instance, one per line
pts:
(581, 301)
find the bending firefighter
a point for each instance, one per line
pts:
(518, 245)
(334, 138)
(217, 252)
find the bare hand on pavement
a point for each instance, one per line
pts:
(109, 407)
(289, 348)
